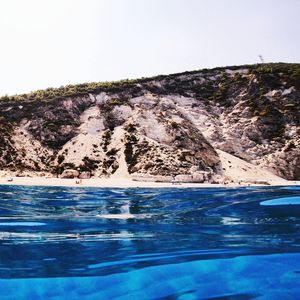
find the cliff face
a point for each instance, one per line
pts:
(165, 125)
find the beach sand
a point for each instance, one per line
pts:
(95, 182)
(121, 183)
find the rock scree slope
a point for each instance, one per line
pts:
(162, 126)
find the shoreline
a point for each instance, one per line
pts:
(125, 183)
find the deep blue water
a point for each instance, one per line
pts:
(88, 243)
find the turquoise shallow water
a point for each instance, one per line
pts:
(83, 243)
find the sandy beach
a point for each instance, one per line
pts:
(122, 183)
(97, 182)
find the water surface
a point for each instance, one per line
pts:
(171, 243)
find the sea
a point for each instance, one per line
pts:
(149, 243)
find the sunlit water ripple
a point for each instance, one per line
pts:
(91, 243)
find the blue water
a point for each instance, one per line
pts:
(88, 243)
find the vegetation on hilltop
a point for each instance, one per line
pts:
(267, 73)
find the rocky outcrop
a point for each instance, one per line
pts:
(85, 175)
(163, 126)
(70, 174)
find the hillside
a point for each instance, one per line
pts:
(166, 125)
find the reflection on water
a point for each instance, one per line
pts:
(106, 235)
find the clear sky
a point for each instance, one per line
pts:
(49, 43)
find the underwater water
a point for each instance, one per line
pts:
(171, 243)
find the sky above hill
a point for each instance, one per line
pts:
(57, 42)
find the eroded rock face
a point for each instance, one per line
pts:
(169, 125)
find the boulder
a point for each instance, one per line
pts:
(85, 175)
(160, 178)
(196, 178)
(199, 178)
(70, 173)
(183, 178)
(150, 178)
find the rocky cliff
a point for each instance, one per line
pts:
(165, 125)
